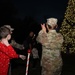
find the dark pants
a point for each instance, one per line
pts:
(9, 71)
(36, 62)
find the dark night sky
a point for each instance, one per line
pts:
(40, 9)
(37, 11)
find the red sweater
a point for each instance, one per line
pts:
(6, 53)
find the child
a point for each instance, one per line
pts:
(6, 50)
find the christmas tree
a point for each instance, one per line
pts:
(68, 28)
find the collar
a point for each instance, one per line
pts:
(52, 31)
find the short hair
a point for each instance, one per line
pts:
(4, 31)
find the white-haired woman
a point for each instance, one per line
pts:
(51, 44)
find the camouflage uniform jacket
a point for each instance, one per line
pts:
(51, 59)
(16, 45)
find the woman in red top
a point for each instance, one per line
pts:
(6, 50)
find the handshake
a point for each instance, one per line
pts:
(22, 57)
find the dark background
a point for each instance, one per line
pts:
(40, 9)
(27, 15)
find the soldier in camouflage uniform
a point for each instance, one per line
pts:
(51, 44)
(13, 42)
